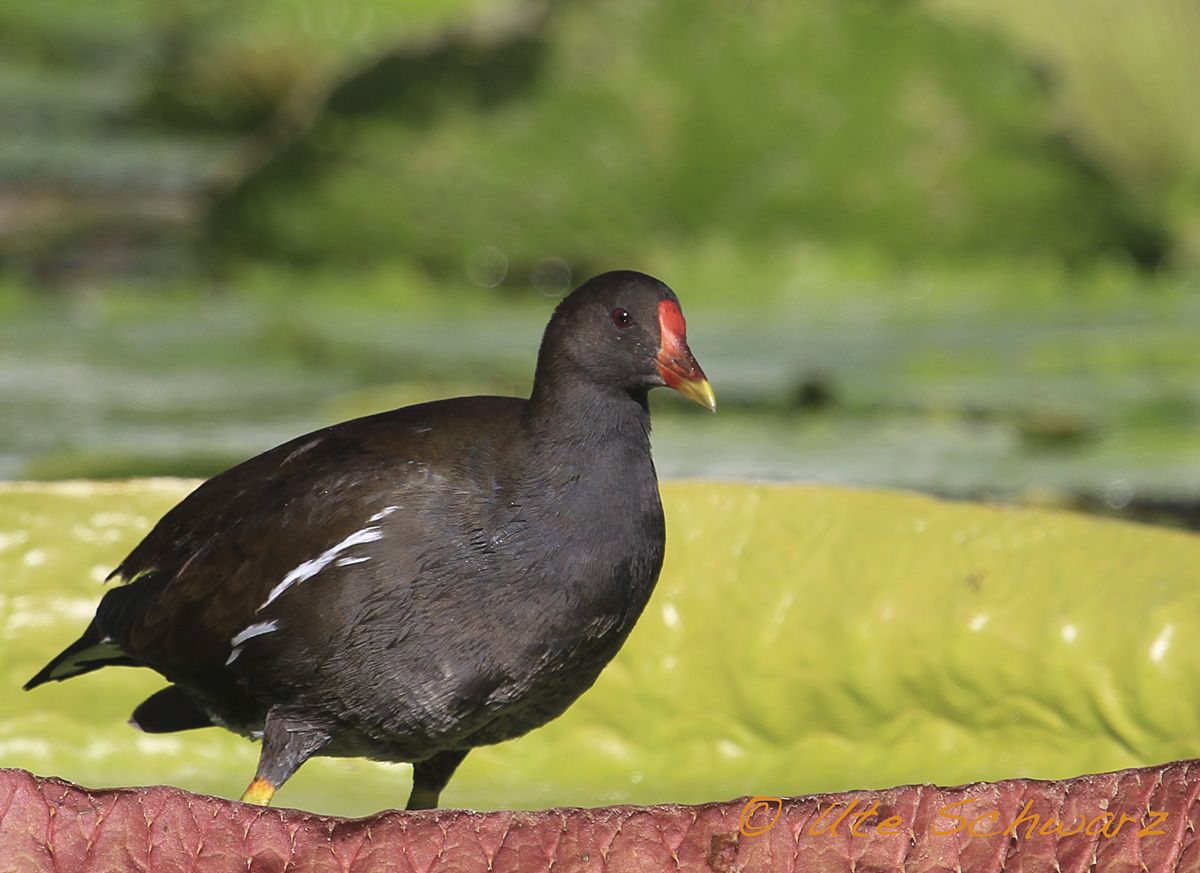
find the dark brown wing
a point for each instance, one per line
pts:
(241, 540)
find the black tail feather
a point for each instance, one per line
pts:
(90, 652)
(97, 648)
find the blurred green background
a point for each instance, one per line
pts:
(947, 245)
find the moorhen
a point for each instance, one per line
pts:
(412, 584)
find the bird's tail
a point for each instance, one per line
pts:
(90, 652)
(98, 647)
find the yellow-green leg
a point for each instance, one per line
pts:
(259, 792)
(430, 777)
(287, 743)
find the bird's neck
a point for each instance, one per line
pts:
(568, 412)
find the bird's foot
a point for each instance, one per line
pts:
(259, 792)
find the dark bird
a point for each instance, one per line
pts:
(413, 584)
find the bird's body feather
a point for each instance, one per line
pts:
(418, 559)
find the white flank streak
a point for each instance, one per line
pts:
(249, 633)
(349, 562)
(311, 568)
(384, 513)
(254, 630)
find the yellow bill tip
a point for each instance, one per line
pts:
(699, 391)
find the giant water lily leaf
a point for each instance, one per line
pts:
(801, 639)
(1141, 819)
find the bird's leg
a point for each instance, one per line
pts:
(430, 777)
(259, 792)
(287, 743)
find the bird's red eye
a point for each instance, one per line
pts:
(621, 317)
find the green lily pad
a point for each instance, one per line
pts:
(801, 639)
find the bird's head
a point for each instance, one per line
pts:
(626, 329)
